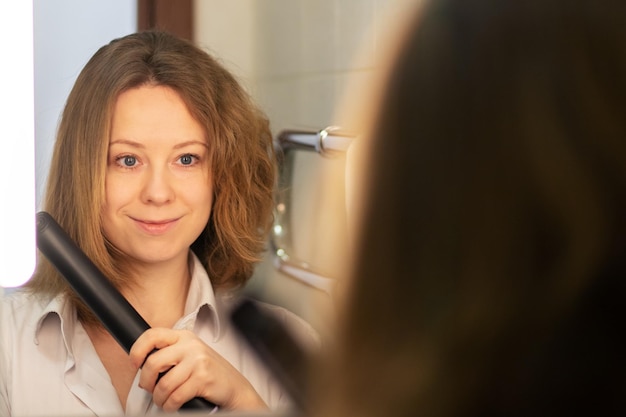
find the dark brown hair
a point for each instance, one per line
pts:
(489, 268)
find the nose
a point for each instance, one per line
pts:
(158, 187)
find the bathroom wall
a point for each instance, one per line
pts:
(296, 58)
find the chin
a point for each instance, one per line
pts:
(147, 256)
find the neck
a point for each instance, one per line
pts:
(160, 291)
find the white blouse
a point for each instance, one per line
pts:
(48, 365)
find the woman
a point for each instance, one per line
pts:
(163, 173)
(488, 273)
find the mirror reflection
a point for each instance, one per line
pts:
(297, 83)
(296, 59)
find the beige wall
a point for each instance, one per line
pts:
(296, 57)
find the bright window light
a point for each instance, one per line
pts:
(17, 134)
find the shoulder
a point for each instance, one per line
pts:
(19, 305)
(300, 329)
(21, 312)
(14, 303)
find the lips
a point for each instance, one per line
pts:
(155, 227)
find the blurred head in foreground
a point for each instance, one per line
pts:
(489, 265)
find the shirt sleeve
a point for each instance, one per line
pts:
(304, 335)
(301, 330)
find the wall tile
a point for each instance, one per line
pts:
(319, 38)
(317, 100)
(355, 21)
(277, 35)
(279, 98)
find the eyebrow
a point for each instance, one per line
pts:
(142, 146)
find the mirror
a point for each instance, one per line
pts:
(295, 57)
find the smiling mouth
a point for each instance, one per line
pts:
(155, 227)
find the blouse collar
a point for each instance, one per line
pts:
(201, 297)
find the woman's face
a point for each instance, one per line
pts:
(159, 184)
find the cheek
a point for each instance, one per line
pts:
(205, 190)
(117, 193)
(202, 199)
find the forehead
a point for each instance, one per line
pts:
(149, 113)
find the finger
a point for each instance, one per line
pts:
(157, 364)
(179, 397)
(148, 341)
(175, 388)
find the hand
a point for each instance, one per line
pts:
(193, 370)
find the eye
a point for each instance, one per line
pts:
(127, 161)
(130, 161)
(188, 159)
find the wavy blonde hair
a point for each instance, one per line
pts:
(240, 142)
